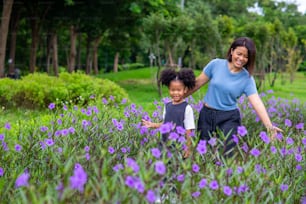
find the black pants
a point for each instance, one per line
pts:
(211, 120)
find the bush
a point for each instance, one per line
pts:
(36, 91)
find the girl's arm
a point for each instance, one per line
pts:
(150, 124)
(187, 151)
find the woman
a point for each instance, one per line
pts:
(228, 80)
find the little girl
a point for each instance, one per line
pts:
(178, 111)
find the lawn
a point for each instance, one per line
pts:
(142, 89)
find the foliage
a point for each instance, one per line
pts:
(102, 154)
(36, 91)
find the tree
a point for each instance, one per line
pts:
(6, 14)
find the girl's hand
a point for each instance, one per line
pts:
(187, 153)
(147, 123)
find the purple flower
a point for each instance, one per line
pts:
(229, 171)
(212, 141)
(57, 133)
(51, 106)
(284, 187)
(245, 147)
(195, 168)
(289, 141)
(49, 142)
(78, 179)
(64, 132)
(299, 126)
(43, 128)
(202, 183)
(288, 123)
(7, 126)
(298, 157)
(165, 128)
(264, 137)
(173, 136)
(298, 167)
(111, 150)
(86, 148)
(129, 181)
(201, 147)
(180, 178)
(150, 196)
(123, 150)
(104, 101)
(180, 130)
(255, 152)
(227, 190)
(273, 149)
(22, 180)
(42, 145)
(214, 185)
(242, 131)
(279, 136)
(304, 141)
(1, 137)
(18, 148)
(239, 169)
(196, 194)
(71, 130)
(242, 188)
(235, 138)
(118, 167)
(139, 186)
(132, 164)
(160, 167)
(87, 156)
(1, 171)
(155, 152)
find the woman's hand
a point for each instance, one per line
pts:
(272, 131)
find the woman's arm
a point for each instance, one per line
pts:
(262, 113)
(200, 81)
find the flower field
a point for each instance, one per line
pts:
(102, 154)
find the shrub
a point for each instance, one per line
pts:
(36, 91)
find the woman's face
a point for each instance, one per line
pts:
(239, 57)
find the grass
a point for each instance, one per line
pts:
(141, 86)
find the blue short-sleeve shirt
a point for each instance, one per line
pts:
(226, 87)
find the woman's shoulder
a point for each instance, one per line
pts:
(217, 61)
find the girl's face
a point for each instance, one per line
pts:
(177, 90)
(239, 58)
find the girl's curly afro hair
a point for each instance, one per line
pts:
(186, 75)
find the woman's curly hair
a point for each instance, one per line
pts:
(186, 75)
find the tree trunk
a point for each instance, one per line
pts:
(116, 60)
(95, 55)
(14, 29)
(34, 44)
(72, 55)
(6, 14)
(79, 65)
(88, 56)
(54, 54)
